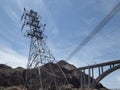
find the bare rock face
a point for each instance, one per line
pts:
(2, 66)
(14, 88)
(10, 77)
(66, 65)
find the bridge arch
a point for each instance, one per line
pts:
(112, 66)
(104, 74)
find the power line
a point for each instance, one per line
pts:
(95, 31)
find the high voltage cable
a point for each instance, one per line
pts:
(95, 31)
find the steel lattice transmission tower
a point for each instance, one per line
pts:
(39, 54)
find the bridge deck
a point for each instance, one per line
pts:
(100, 65)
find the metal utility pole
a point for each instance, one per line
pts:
(39, 54)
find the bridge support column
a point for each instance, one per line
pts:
(84, 78)
(102, 69)
(92, 73)
(99, 71)
(81, 79)
(89, 74)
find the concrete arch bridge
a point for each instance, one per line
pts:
(102, 69)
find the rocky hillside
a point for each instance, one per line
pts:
(10, 77)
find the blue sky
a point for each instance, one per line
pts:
(68, 23)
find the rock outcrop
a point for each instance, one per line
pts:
(10, 77)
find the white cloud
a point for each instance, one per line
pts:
(118, 78)
(21, 4)
(51, 26)
(11, 57)
(13, 15)
(77, 62)
(112, 80)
